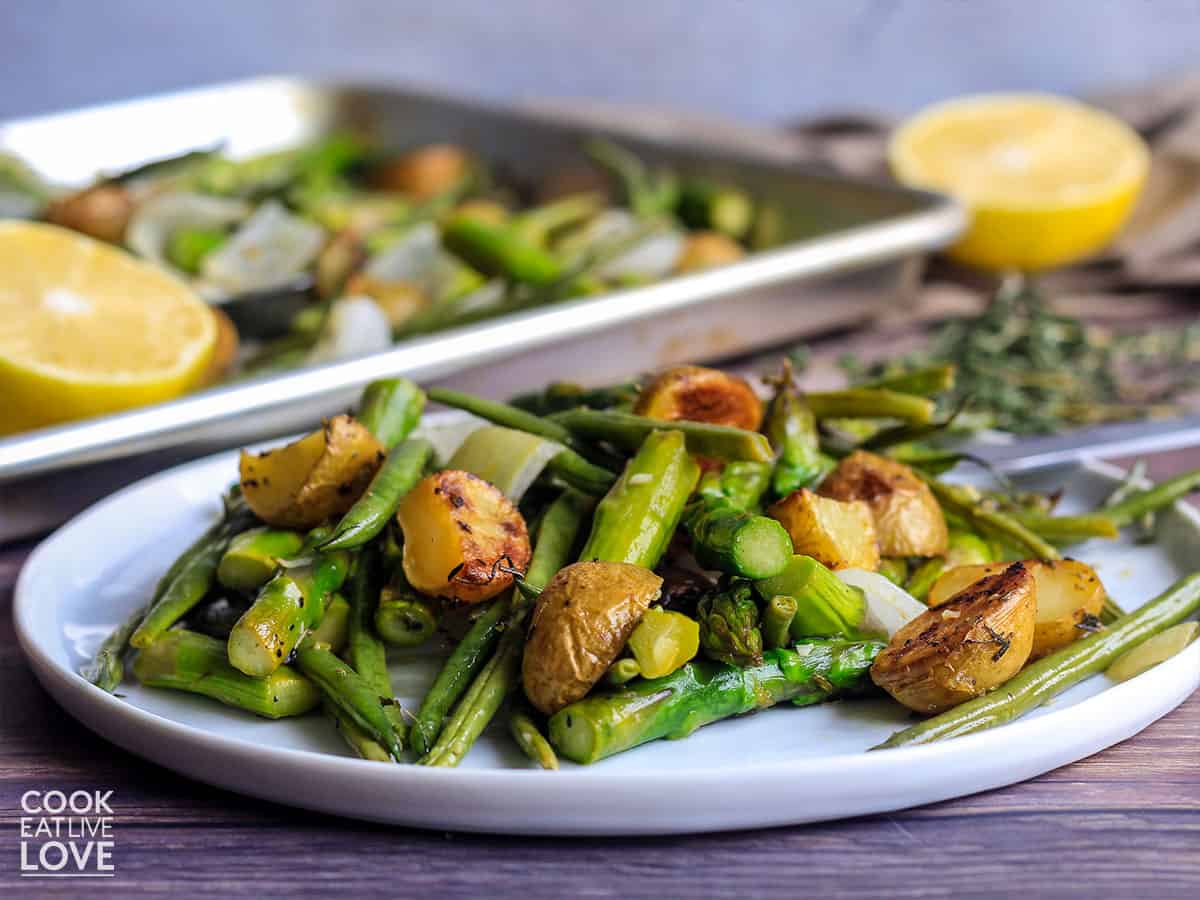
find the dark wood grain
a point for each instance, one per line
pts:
(1124, 823)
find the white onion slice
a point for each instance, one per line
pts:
(889, 608)
(356, 327)
(158, 217)
(270, 249)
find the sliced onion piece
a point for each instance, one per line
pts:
(505, 457)
(417, 257)
(889, 608)
(155, 220)
(271, 249)
(651, 255)
(356, 327)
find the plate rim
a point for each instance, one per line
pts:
(1168, 679)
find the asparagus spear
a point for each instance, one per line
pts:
(635, 521)
(628, 431)
(777, 616)
(287, 607)
(191, 576)
(792, 429)
(500, 250)
(187, 661)
(965, 502)
(253, 556)
(334, 628)
(825, 605)
(106, 668)
(702, 692)
(390, 409)
(716, 207)
(738, 542)
(740, 485)
(729, 626)
(1045, 679)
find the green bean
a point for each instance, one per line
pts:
(350, 692)
(966, 502)
(403, 617)
(926, 382)
(372, 511)
(1138, 504)
(1041, 681)
(629, 431)
(870, 403)
(364, 650)
(463, 664)
(500, 250)
(193, 575)
(1068, 529)
(623, 671)
(560, 528)
(575, 471)
(502, 414)
(390, 409)
(531, 740)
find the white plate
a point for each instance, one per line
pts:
(782, 766)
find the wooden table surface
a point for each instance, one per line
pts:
(1121, 824)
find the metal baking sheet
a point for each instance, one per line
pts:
(836, 225)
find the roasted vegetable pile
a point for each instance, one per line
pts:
(609, 567)
(338, 248)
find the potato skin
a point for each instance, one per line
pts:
(580, 624)
(102, 211)
(697, 394)
(706, 250)
(458, 532)
(425, 172)
(977, 640)
(836, 533)
(225, 351)
(321, 475)
(908, 518)
(1069, 593)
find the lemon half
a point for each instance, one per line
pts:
(86, 329)
(1048, 180)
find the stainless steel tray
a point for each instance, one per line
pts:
(838, 225)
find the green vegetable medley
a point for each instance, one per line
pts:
(337, 248)
(609, 567)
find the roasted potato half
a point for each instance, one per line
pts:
(706, 250)
(908, 519)
(102, 211)
(975, 641)
(697, 394)
(425, 172)
(836, 534)
(225, 352)
(1069, 594)
(580, 624)
(460, 534)
(320, 475)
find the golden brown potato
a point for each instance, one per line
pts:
(706, 250)
(1069, 594)
(460, 534)
(697, 394)
(399, 300)
(908, 519)
(224, 352)
(836, 534)
(976, 640)
(318, 476)
(425, 172)
(341, 257)
(102, 211)
(580, 624)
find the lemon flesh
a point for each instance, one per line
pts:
(1048, 181)
(86, 329)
